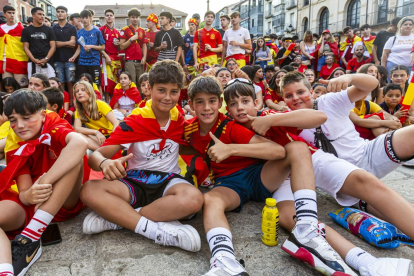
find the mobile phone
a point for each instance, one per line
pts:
(51, 235)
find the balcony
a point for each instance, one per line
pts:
(279, 20)
(256, 30)
(268, 14)
(32, 2)
(279, 9)
(290, 27)
(290, 4)
(256, 10)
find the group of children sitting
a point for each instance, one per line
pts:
(285, 155)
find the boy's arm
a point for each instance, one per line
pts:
(71, 155)
(31, 194)
(258, 147)
(75, 55)
(112, 169)
(361, 85)
(304, 119)
(367, 123)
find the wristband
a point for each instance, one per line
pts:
(102, 162)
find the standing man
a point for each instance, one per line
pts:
(236, 41)
(133, 42)
(90, 44)
(381, 38)
(39, 43)
(188, 40)
(346, 50)
(152, 25)
(224, 22)
(168, 41)
(75, 20)
(65, 45)
(210, 43)
(14, 61)
(111, 63)
(196, 16)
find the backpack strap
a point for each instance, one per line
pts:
(191, 170)
(217, 133)
(133, 33)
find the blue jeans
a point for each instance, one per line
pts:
(65, 71)
(261, 63)
(321, 62)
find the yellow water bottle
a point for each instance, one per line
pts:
(270, 223)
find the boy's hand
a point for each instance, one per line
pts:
(38, 193)
(337, 84)
(219, 151)
(260, 124)
(392, 124)
(114, 169)
(101, 138)
(402, 113)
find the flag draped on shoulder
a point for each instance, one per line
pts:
(142, 125)
(347, 45)
(16, 58)
(131, 93)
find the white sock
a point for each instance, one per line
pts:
(357, 258)
(305, 203)
(6, 270)
(138, 209)
(147, 228)
(37, 225)
(220, 242)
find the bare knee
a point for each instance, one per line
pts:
(211, 200)
(89, 191)
(297, 150)
(192, 200)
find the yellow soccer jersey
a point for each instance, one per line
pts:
(103, 124)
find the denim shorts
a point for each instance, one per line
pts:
(65, 71)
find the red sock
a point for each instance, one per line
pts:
(37, 225)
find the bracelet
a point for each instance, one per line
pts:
(102, 162)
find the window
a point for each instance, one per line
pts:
(324, 20)
(353, 14)
(252, 22)
(178, 22)
(405, 7)
(305, 2)
(382, 12)
(305, 24)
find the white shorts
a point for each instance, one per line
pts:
(330, 174)
(379, 157)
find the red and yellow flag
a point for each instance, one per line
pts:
(16, 58)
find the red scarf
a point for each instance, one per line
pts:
(131, 93)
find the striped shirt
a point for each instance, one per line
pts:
(173, 39)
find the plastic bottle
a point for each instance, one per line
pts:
(270, 223)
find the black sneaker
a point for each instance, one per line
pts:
(25, 252)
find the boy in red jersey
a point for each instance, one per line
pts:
(207, 43)
(152, 25)
(216, 138)
(331, 173)
(36, 134)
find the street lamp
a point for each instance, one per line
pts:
(208, 5)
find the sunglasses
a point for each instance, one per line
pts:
(233, 81)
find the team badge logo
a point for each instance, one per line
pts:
(213, 36)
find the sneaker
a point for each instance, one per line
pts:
(25, 253)
(94, 224)
(176, 234)
(311, 247)
(223, 266)
(409, 163)
(389, 267)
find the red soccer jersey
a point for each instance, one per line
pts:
(233, 133)
(326, 72)
(302, 68)
(109, 35)
(271, 95)
(354, 65)
(152, 56)
(284, 135)
(65, 97)
(134, 50)
(212, 38)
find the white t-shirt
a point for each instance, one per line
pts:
(401, 50)
(6, 28)
(126, 103)
(241, 35)
(339, 128)
(148, 157)
(257, 88)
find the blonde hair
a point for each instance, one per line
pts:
(92, 111)
(402, 21)
(330, 40)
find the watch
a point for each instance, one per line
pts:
(46, 58)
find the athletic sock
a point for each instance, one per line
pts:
(357, 258)
(305, 203)
(6, 270)
(37, 225)
(147, 228)
(220, 242)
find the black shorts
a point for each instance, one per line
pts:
(148, 186)
(94, 71)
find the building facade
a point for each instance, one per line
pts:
(50, 10)
(121, 14)
(252, 15)
(22, 7)
(225, 10)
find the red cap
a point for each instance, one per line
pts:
(326, 31)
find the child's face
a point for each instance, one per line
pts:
(124, 80)
(84, 79)
(297, 96)
(28, 126)
(338, 73)
(9, 89)
(373, 71)
(399, 77)
(269, 74)
(81, 93)
(319, 91)
(259, 74)
(393, 97)
(36, 84)
(224, 77)
(145, 89)
(164, 96)
(310, 76)
(279, 77)
(206, 107)
(242, 106)
(54, 83)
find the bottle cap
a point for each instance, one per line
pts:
(271, 202)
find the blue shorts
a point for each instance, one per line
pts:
(247, 183)
(65, 71)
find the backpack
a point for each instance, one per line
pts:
(321, 141)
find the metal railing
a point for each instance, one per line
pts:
(256, 10)
(279, 9)
(279, 20)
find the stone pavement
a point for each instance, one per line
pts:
(125, 253)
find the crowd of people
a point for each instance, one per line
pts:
(131, 122)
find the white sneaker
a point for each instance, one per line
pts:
(409, 163)
(311, 247)
(223, 266)
(389, 267)
(94, 224)
(176, 234)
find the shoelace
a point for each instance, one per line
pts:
(169, 238)
(18, 250)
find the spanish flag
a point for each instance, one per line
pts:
(346, 47)
(409, 97)
(131, 93)
(289, 49)
(16, 58)
(368, 44)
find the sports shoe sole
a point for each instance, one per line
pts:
(307, 257)
(191, 231)
(35, 258)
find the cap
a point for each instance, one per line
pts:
(192, 20)
(326, 31)
(153, 18)
(196, 16)
(270, 202)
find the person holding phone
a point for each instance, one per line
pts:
(168, 41)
